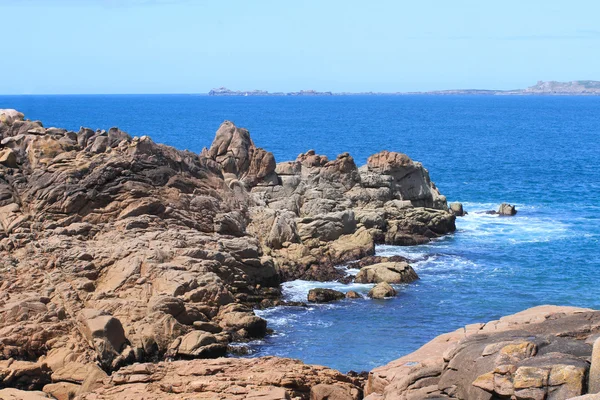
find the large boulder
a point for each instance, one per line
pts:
(390, 272)
(199, 344)
(507, 209)
(240, 319)
(320, 295)
(457, 209)
(104, 333)
(8, 158)
(382, 290)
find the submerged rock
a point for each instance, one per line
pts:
(324, 295)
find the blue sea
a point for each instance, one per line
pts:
(540, 153)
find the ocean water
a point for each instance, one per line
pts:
(540, 153)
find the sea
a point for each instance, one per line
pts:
(540, 153)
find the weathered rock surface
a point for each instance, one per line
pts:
(382, 290)
(457, 209)
(390, 272)
(324, 295)
(227, 378)
(540, 353)
(116, 250)
(507, 209)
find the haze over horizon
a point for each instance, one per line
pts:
(179, 46)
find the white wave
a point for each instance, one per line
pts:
(528, 226)
(298, 290)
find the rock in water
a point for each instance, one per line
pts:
(351, 294)
(507, 209)
(324, 295)
(382, 290)
(390, 272)
(457, 209)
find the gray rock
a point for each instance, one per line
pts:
(507, 209)
(457, 209)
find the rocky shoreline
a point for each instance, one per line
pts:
(116, 250)
(128, 268)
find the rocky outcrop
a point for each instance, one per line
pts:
(540, 353)
(116, 250)
(507, 209)
(227, 378)
(330, 211)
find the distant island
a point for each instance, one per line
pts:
(547, 88)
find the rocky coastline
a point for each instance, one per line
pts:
(128, 268)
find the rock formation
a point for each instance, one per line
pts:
(382, 290)
(507, 209)
(116, 250)
(390, 272)
(457, 209)
(324, 295)
(541, 353)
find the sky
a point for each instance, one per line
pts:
(191, 46)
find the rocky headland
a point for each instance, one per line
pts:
(128, 268)
(124, 262)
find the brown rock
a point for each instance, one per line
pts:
(391, 272)
(594, 375)
(535, 354)
(225, 378)
(8, 158)
(62, 390)
(15, 394)
(334, 392)
(199, 344)
(320, 295)
(382, 290)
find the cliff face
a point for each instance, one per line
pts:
(115, 250)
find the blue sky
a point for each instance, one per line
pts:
(179, 46)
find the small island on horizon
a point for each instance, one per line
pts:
(545, 88)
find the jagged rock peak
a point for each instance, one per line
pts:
(234, 150)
